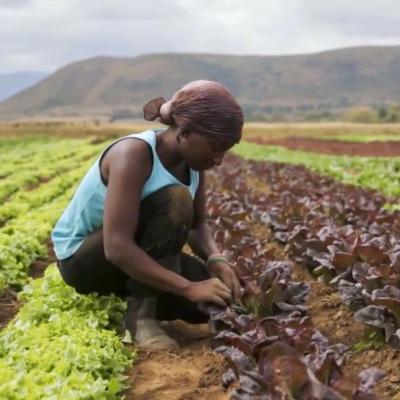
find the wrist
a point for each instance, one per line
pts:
(184, 290)
(215, 258)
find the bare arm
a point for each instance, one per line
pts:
(202, 242)
(128, 169)
(201, 239)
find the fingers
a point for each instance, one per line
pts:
(221, 285)
(232, 283)
(219, 301)
(224, 291)
(221, 291)
(237, 290)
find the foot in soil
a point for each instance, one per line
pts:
(193, 372)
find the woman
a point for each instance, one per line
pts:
(140, 202)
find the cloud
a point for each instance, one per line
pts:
(355, 18)
(47, 34)
(146, 11)
(14, 3)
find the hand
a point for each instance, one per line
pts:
(224, 272)
(210, 290)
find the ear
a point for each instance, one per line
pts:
(185, 133)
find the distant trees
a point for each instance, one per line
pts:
(366, 114)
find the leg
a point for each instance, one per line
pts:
(164, 222)
(89, 271)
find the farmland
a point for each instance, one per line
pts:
(314, 239)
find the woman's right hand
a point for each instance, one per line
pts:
(210, 290)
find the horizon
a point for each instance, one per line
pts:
(49, 72)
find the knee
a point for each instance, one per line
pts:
(180, 207)
(165, 220)
(172, 204)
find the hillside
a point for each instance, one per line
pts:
(103, 85)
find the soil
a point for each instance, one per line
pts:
(9, 304)
(37, 268)
(193, 372)
(334, 147)
(8, 307)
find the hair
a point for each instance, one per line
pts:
(204, 107)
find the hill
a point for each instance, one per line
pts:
(263, 84)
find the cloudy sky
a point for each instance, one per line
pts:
(44, 35)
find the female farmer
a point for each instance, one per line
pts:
(140, 202)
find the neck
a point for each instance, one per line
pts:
(167, 148)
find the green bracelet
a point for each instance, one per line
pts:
(216, 258)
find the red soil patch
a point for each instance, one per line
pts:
(335, 147)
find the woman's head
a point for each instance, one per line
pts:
(202, 107)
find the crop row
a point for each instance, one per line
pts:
(25, 159)
(341, 233)
(22, 239)
(61, 345)
(25, 148)
(271, 345)
(71, 171)
(382, 174)
(44, 168)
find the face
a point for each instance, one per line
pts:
(201, 152)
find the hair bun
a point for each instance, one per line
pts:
(151, 110)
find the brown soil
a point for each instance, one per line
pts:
(8, 307)
(335, 147)
(192, 373)
(9, 304)
(37, 268)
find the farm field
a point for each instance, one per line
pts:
(311, 237)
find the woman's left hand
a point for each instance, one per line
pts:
(223, 271)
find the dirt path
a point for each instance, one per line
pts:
(334, 147)
(193, 373)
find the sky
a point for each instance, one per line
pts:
(44, 35)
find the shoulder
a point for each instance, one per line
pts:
(129, 154)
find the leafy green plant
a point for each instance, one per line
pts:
(61, 345)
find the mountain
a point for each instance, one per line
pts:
(106, 85)
(13, 83)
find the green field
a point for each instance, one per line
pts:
(382, 174)
(64, 344)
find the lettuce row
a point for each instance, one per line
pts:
(43, 167)
(23, 241)
(60, 345)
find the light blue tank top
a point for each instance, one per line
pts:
(84, 214)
